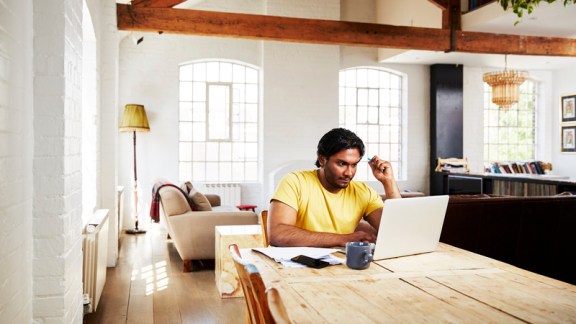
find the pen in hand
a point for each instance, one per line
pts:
(383, 169)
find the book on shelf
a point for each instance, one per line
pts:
(532, 167)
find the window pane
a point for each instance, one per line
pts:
(225, 151)
(199, 132)
(185, 171)
(185, 91)
(225, 170)
(225, 72)
(213, 71)
(198, 151)
(362, 97)
(362, 78)
(185, 131)
(185, 111)
(238, 73)
(212, 172)
(199, 91)
(362, 115)
(239, 93)
(185, 151)
(251, 113)
(212, 151)
(199, 72)
(186, 73)
(252, 132)
(350, 96)
(251, 76)
(251, 93)
(373, 97)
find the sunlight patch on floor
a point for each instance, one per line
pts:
(155, 276)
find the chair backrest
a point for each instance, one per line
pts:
(264, 224)
(253, 287)
(277, 308)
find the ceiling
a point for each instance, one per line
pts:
(546, 20)
(555, 20)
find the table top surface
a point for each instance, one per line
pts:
(448, 285)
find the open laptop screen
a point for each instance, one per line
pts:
(410, 226)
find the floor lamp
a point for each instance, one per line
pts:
(134, 120)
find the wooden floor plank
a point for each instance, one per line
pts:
(148, 286)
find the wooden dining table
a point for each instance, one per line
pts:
(448, 285)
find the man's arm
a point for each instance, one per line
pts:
(282, 231)
(382, 171)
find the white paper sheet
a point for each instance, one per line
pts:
(284, 254)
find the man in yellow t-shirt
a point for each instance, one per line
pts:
(324, 207)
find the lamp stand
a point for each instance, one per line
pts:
(136, 230)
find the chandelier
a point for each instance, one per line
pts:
(505, 85)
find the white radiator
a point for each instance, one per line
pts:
(95, 253)
(230, 193)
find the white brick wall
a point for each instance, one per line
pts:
(108, 118)
(57, 222)
(15, 161)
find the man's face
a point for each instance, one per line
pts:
(340, 168)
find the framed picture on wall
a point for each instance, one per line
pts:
(568, 139)
(568, 108)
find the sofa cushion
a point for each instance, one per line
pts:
(198, 201)
(186, 187)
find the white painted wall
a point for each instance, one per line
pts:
(40, 159)
(57, 199)
(16, 155)
(564, 84)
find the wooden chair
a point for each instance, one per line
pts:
(277, 308)
(264, 224)
(254, 289)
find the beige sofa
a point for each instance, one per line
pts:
(192, 232)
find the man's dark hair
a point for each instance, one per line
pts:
(336, 140)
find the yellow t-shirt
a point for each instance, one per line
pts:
(322, 211)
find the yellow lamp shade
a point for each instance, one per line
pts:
(134, 119)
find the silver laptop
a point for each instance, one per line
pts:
(410, 226)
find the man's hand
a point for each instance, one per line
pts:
(382, 171)
(360, 236)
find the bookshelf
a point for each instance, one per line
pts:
(508, 184)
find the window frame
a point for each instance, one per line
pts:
(241, 160)
(493, 147)
(387, 120)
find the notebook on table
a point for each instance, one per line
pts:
(410, 226)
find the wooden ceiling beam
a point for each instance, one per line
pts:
(451, 13)
(333, 32)
(156, 3)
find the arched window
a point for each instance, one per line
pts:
(219, 103)
(371, 105)
(510, 134)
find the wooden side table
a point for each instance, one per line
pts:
(245, 236)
